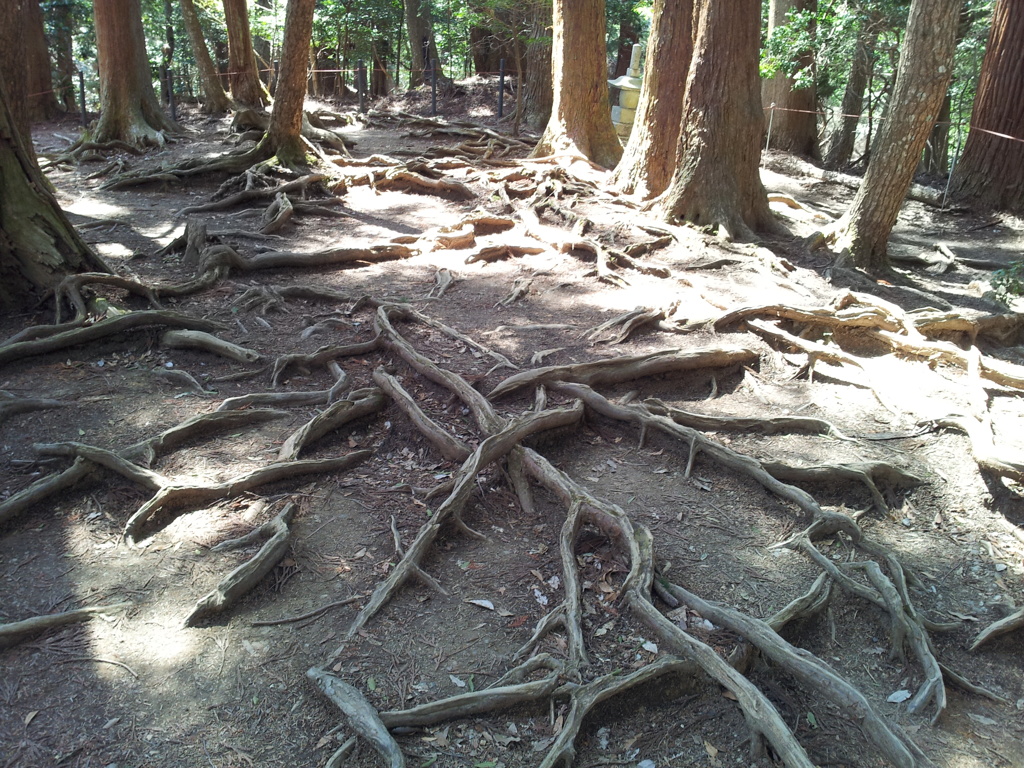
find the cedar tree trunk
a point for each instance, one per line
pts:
(649, 159)
(717, 181)
(840, 148)
(794, 122)
(991, 170)
(42, 100)
(925, 66)
(538, 94)
(422, 46)
(129, 110)
(215, 100)
(285, 131)
(581, 121)
(13, 69)
(243, 75)
(38, 245)
(64, 55)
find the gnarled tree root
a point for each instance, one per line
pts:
(107, 327)
(19, 631)
(490, 450)
(360, 403)
(12, 405)
(1011, 623)
(246, 576)
(207, 342)
(619, 369)
(157, 510)
(360, 713)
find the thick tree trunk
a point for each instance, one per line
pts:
(925, 66)
(42, 100)
(538, 94)
(793, 111)
(13, 69)
(936, 152)
(215, 99)
(129, 109)
(285, 131)
(717, 181)
(845, 135)
(422, 46)
(649, 159)
(243, 75)
(991, 170)
(38, 245)
(581, 121)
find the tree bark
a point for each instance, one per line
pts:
(843, 138)
(243, 74)
(42, 100)
(650, 156)
(285, 130)
(422, 46)
(215, 99)
(581, 121)
(717, 181)
(991, 170)
(38, 245)
(62, 45)
(923, 74)
(538, 93)
(629, 35)
(13, 69)
(794, 119)
(129, 110)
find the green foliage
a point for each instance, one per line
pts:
(1008, 283)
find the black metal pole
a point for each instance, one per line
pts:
(433, 86)
(361, 84)
(501, 88)
(170, 95)
(81, 96)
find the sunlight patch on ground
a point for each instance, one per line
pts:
(113, 250)
(87, 205)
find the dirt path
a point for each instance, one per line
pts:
(138, 687)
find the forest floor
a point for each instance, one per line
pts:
(141, 686)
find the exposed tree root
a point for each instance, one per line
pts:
(449, 446)
(768, 425)
(868, 472)
(360, 713)
(490, 450)
(70, 291)
(406, 181)
(630, 321)
(73, 337)
(208, 343)
(256, 194)
(246, 576)
(169, 498)
(1011, 623)
(19, 631)
(12, 405)
(360, 403)
(322, 397)
(619, 369)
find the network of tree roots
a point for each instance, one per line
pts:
(494, 430)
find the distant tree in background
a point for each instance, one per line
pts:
(991, 170)
(649, 159)
(129, 110)
(717, 181)
(581, 120)
(794, 119)
(215, 99)
(243, 74)
(42, 99)
(925, 67)
(422, 45)
(538, 93)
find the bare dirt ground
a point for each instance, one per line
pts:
(137, 686)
